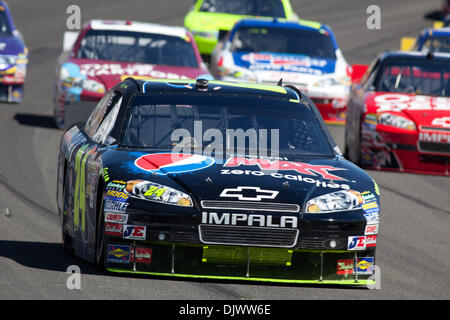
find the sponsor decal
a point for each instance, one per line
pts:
(371, 241)
(283, 165)
(372, 217)
(118, 196)
(356, 243)
(172, 163)
(115, 69)
(365, 265)
(371, 229)
(319, 183)
(116, 217)
(289, 63)
(434, 137)
(344, 267)
(254, 220)
(371, 207)
(117, 184)
(118, 253)
(441, 122)
(141, 255)
(115, 206)
(134, 232)
(258, 194)
(399, 102)
(113, 229)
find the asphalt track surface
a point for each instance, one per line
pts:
(413, 244)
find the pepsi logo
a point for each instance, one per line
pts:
(172, 163)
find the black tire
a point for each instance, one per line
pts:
(99, 239)
(66, 238)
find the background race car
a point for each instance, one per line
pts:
(399, 114)
(210, 20)
(106, 52)
(13, 58)
(303, 54)
(432, 39)
(142, 188)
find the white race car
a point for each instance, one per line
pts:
(304, 54)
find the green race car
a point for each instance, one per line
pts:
(210, 20)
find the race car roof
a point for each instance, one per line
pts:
(135, 26)
(218, 87)
(441, 32)
(263, 22)
(416, 54)
(270, 22)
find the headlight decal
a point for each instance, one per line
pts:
(335, 202)
(152, 191)
(393, 120)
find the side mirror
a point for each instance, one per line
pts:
(358, 71)
(69, 40)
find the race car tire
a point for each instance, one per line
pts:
(100, 233)
(66, 238)
(354, 151)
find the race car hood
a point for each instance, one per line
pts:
(427, 111)
(11, 46)
(265, 62)
(110, 73)
(285, 180)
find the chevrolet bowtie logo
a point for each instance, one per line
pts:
(258, 193)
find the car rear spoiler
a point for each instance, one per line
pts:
(77, 111)
(69, 39)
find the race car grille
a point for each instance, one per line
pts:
(248, 236)
(250, 206)
(434, 147)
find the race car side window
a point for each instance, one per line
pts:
(102, 134)
(98, 114)
(369, 78)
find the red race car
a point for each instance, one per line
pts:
(399, 114)
(104, 53)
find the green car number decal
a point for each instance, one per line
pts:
(80, 191)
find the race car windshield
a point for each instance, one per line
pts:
(437, 44)
(416, 76)
(262, 8)
(5, 28)
(283, 40)
(137, 47)
(224, 125)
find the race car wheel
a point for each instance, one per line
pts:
(354, 151)
(66, 238)
(99, 240)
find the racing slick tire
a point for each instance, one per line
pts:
(353, 152)
(100, 233)
(66, 238)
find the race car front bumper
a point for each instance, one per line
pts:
(388, 148)
(175, 246)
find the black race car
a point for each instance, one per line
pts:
(215, 180)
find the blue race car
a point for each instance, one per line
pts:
(434, 40)
(304, 54)
(13, 58)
